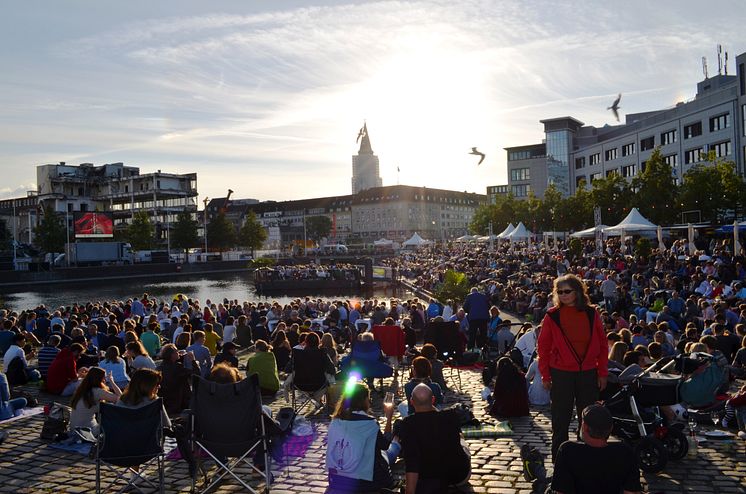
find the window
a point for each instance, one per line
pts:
(595, 159)
(647, 143)
(720, 122)
(642, 166)
(672, 160)
(521, 190)
(84, 207)
(692, 155)
(580, 162)
(580, 180)
(721, 149)
(743, 113)
(693, 130)
(668, 137)
(595, 176)
(611, 172)
(628, 149)
(519, 155)
(519, 174)
(611, 154)
(629, 171)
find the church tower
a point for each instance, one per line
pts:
(365, 169)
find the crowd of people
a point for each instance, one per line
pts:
(598, 310)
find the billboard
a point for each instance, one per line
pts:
(94, 225)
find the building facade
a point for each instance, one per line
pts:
(365, 167)
(573, 153)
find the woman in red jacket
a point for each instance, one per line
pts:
(572, 354)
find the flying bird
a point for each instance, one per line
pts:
(477, 153)
(615, 106)
(360, 134)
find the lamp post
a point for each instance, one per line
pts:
(204, 257)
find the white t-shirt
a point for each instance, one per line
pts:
(13, 352)
(229, 333)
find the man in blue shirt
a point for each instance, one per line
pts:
(477, 307)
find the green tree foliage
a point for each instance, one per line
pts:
(613, 195)
(50, 233)
(575, 212)
(184, 232)
(715, 190)
(252, 234)
(140, 232)
(455, 286)
(221, 234)
(318, 227)
(656, 191)
(643, 248)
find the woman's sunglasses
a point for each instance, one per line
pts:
(564, 292)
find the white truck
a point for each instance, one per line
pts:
(100, 253)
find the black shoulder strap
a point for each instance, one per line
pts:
(555, 316)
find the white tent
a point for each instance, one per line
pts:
(467, 238)
(520, 233)
(634, 222)
(589, 232)
(487, 238)
(383, 243)
(506, 232)
(415, 241)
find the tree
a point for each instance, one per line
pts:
(252, 233)
(221, 234)
(140, 232)
(716, 190)
(51, 232)
(455, 286)
(318, 227)
(184, 233)
(656, 190)
(613, 195)
(576, 213)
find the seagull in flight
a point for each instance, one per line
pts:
(615, 106)
(477, 153)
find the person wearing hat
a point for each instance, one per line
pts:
(228, 354)
(596, 466)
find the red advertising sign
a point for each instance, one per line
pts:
(94, 225)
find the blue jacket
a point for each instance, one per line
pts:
(477, 306)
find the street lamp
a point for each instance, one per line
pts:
(205, 227)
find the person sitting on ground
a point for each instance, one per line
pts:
(281, 348)
(15, 362)
(201, 352)
(63, 375)
(329, 346)
(433, 461)
(616, 355)
(9, 407)
(228, 355)
(92, 390)
(431, 354)
(177, 368)
(510, 397)
(115, 365)
(47, 354)
(137, 356)
(537, 393)
(151, 339)
(421, 374)
(263, 364)
(358, 455)
(596, 465)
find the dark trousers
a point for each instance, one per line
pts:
(477, 332)
(578, 389)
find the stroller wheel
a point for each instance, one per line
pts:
(651, 454)
(676, 444)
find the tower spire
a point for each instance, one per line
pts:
(365, 141)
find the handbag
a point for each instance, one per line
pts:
(56, 421)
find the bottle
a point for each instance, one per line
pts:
(692, 441)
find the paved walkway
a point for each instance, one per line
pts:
(29, 465)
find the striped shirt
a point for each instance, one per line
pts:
(45, 357)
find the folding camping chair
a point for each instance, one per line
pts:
(309, 378)
(227, 425)
(445, 337)
(130, 437)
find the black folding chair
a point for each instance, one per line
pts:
(227, 425)
(309, 378)
(445, 337)
(129, 438)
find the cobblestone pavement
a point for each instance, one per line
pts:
(29, 465)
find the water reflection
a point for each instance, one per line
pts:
(215, 287)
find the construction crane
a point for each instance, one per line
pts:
(227, 200)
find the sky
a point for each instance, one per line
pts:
(267, 97)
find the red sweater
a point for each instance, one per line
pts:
(391, 338)
(62, 371)
(556, 354)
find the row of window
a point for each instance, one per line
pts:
(721, 150)
(521, 190)
(520, 174)
(522, 155)
(497, 189)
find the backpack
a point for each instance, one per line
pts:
(533, 465)
(465, 415)
(56, 420)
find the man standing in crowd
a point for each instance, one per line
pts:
(477, 307)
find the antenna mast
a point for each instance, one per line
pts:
(704, 66)
(726, 63)
(720, 59)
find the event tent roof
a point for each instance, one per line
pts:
(507, 231)
(383, 242)
(520, 232)
(589, 232)
(634, 222)
(415, 240)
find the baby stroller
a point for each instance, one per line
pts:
(633, 397)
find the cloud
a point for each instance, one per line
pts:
(19, 191)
